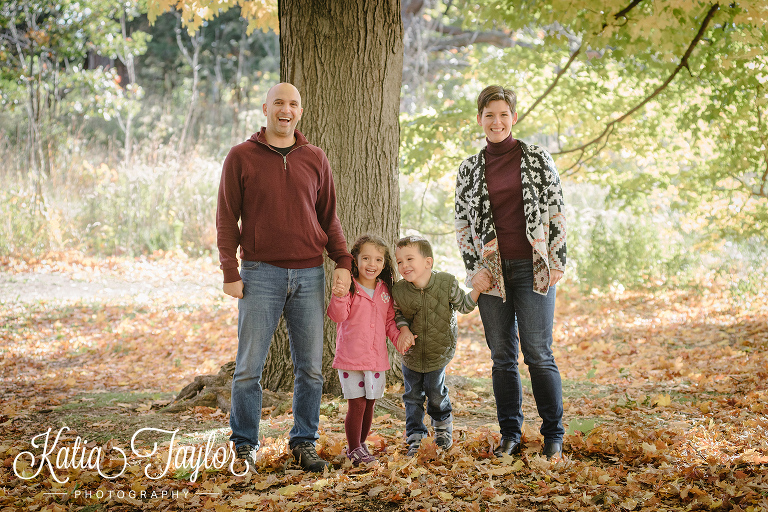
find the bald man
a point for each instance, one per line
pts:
(280, 188)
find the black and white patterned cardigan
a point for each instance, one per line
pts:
(544, 219)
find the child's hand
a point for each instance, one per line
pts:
(339, 290)
(483, 281)
(406, 340)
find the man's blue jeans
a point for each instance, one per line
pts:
(532, 315)
(268, 292)
(431, 386)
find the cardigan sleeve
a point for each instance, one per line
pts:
(462, 205)
(557, 225)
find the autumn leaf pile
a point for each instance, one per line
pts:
(665, 396)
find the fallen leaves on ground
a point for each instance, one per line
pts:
(665, 396)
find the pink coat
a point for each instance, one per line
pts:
(363, 325)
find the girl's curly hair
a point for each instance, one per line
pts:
(387, 273)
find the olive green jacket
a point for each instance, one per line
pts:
(430, 313)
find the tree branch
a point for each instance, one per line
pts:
(582, 161)
(683, 64)
(463, 37)
(411, 7)
(621, 14)
(552, 85)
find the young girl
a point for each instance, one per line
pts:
(365, 318)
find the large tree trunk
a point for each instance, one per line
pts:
(346, 59)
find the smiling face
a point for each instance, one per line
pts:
(370, 263)
(283, 111)
(413, 266)
(497, 120)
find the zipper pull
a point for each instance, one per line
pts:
(285, 162)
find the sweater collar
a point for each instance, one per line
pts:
(500, 148)
(358, 287)
(261, 136)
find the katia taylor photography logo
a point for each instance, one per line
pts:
(57, 458)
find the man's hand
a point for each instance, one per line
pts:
(234, 289)
(482, 281)
(554, 276)
(342, 280)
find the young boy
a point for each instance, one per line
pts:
(426, 301)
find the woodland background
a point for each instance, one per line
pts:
(112, 134)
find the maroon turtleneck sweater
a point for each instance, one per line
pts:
(505, 187)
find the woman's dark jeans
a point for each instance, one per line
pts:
(532, 315)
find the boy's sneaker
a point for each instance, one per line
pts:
(444, 435)
(306, 456)
(360, 455)
(247, 453)
(414, 442)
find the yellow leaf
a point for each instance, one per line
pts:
(320, 484)
(245, 500)
(629, 504)
(662, 400)
(290, 490)
(445, 496)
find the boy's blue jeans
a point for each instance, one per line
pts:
(268, 292)
(532, 315)
(431, 386)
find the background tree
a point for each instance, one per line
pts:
(346, 59)
(43, 49)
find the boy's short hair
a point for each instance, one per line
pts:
(425, 248)
(493, 93)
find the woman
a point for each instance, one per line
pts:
(511, 233)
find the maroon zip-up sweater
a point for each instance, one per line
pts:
(286, 207)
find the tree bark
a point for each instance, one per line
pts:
(346, 59)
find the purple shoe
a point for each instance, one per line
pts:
(360, 455)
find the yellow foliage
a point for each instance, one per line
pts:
(261, 14)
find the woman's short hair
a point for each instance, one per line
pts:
(496, 92)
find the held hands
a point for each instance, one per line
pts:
(406, 340)
(234, 289)
(342, 280)
(482, 281)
